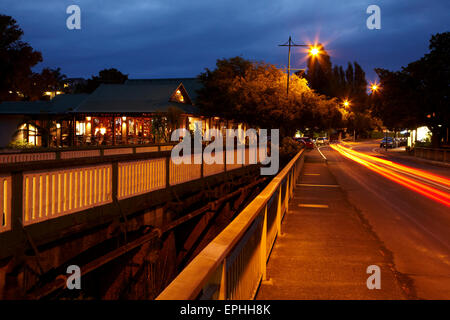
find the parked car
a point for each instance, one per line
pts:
(388, 142)
(306, 141)
(322, 141)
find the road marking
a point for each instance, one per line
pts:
(318, 185)
(322, 206)
(312, 174)
(318, 149)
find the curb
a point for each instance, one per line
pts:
(415, 159)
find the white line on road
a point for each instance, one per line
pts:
(318, 185)
(321, 206)
(318, 149)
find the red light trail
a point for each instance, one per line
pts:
(430, 192)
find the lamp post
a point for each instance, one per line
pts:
(313, 51)
(346, 103)
(374, 88)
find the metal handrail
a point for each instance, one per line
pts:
(209, 268)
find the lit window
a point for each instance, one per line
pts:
(80, 128)
(179, 96)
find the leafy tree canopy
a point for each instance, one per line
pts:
(419, 94)
(255, 93)
(107, 76)
(16, 60)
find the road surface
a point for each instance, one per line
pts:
(407, 209)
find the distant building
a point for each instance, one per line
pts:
(141, 111)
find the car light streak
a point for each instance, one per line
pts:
(416, 172)
(430, 192)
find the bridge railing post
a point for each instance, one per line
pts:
(286, 194)
(223, 281)
(263, 246)
(279, 210)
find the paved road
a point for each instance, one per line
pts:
(412, 226)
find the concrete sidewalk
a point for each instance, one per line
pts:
(326, 246)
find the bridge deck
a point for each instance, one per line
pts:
(325, 247)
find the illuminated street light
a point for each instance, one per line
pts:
(314, 51)
(374, 87)
(346, 103)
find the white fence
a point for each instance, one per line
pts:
(51, 194)
(138, 177)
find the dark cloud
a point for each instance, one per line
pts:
(169, 38)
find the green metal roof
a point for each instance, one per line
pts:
(135, 96)
(192, 85)
(61, 104)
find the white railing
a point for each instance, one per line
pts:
(27, 157)
(216, 167)
(117, 151)
(5, 203)
(183, 172)
(51, 194)
(33, 156)
(146, 149)
(138, 177)
(80, 154)
(56, 192)
(234, 263)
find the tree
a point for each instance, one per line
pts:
(107, 76)
(431, 80)
(255, 93)
(397, 104)
(16, 60)
(48, 80)
(419, 93)
(319, 73)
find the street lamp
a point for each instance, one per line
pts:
(346, 103)
(374, 87)
(314, 51)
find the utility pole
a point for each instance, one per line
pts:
(290, 44)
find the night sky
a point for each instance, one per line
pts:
(179, 38)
